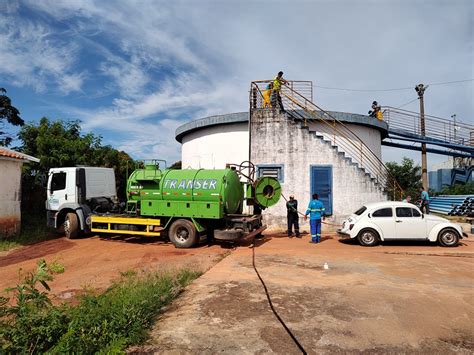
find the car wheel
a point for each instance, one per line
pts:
(368, 238)
(71, 226)
(183, 234)
(448, 238)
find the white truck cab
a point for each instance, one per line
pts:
(74, 193)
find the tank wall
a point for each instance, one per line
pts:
(214, 147)
(371, 137)
(277, 140)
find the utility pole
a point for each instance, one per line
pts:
(454, 134)
(420, 89)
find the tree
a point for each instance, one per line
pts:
(176, 165)
(408, 176)
(10, 114)
(61, 144)
(459, 189)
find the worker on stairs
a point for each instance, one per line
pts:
(278, 81)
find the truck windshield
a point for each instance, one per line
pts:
(58, 181)
(360, 210)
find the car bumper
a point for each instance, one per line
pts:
(343, 234)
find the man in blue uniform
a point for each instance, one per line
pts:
(425, 201)
(316, 211)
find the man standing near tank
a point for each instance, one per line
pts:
(316, 212)
(292, 216)
(278, 81)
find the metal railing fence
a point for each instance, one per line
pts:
(435, 127)
(300, 107)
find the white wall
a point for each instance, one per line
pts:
(214, 147)
(10, 197)
(370, 137)
(277, 140)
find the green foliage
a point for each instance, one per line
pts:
(10, 114)
(408, 176)
(121, 315)
(176, 165)
(60, 144)
(459, 189)
(31, 324)
(105, 323)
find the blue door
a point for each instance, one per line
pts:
(321, 184)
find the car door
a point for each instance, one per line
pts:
(383, 218)
(409, 223)
(62, 189)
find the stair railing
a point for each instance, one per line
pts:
(301, 108)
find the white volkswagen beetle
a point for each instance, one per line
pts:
(391, 220)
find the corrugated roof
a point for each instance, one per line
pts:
(8, 153)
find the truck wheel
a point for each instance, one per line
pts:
(71, 226)
(448, 238)
(183, 234)
(368, 238)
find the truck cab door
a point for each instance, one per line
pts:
(61, 189)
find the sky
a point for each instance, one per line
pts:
(133, 71)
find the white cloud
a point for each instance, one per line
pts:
(29, 56)
(165, 58)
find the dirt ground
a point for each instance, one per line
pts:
(395, 298)
(92, 263)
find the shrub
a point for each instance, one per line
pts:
(122, 314)
(32, 324)
(107, 322)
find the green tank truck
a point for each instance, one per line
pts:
(189, 204)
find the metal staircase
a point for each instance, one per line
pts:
(297, 100)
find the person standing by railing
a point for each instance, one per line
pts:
(267, 95)
(376, 111)
(425, 201)
(278, 81)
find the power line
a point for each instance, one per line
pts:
(394, 89)
(362, 90)
(409, 102)
(451, 82)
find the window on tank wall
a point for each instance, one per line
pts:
(271, 170)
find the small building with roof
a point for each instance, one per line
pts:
(11, 163)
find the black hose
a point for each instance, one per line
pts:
(271, 304)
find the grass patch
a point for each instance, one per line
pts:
(33, 230)
(108, 322)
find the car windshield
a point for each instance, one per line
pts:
(360, 210)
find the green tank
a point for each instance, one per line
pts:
(186, 193)
(192, 193)
(191, 203)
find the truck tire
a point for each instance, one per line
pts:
(183, 234)
(71, 226)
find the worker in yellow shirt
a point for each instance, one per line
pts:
(376, 111)
(266, 95)
(276, 98)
